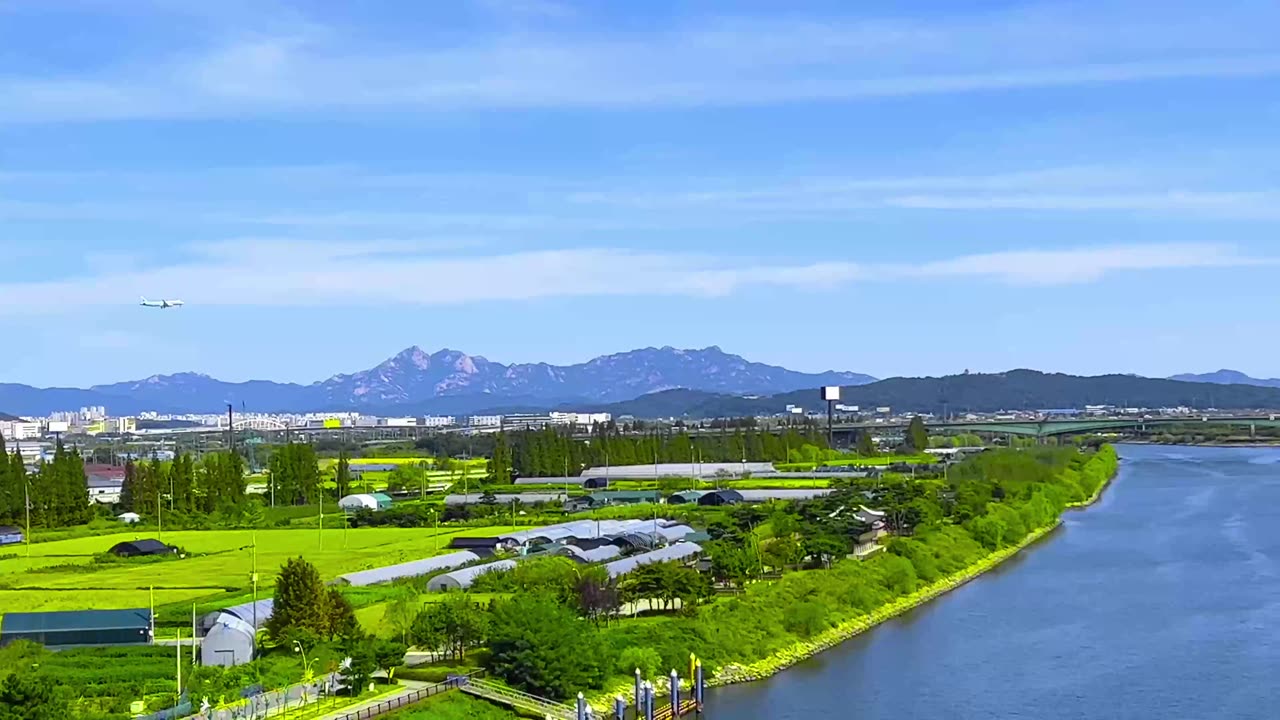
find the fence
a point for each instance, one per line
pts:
(400, 701)
(275, 702)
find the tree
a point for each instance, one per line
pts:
(363, 662)
(300, 602)
(402, 611)
(500, 465)
(540, 645)
(343, 474)
(12, 486)
(296, 474)
(28, 696)
(182, 478)
(782, 553)
(129, 488)
(388, 655)
(598, 595)
(866, 444)
(825, 549)
(340, 617)
(917, 435)
(455, 624)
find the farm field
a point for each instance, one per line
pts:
(62, 574)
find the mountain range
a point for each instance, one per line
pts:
(650, 382)
(1228, 377)
(447, 381)
(971, 392)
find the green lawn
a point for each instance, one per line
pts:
(84, 585)
(454, 706)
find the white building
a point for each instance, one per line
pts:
(19, 430)
(485, 420)
(400, 422)
(438, 421)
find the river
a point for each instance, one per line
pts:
(1160, 601)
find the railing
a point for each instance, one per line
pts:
(400, 701)
(520, 700)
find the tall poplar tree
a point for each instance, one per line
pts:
(917, 435)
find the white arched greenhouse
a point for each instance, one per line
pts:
(229, 642)
(462, 578)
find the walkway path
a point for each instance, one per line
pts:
(408, 687)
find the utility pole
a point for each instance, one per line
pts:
(231, 432)
(320, 494)
(178, 647)
(26, 493)
(253, 578)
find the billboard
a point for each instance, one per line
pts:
(59, 426)
(332, 423)
(831, 393)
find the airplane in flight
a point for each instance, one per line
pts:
(162, 303)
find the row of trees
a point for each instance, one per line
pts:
(553, 452)
(295, 474)
(55, 493)
(214, 483)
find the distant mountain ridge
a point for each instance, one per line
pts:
(1227, 377)
(1028, 390)
(446, 381)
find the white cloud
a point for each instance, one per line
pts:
(713, 62)
(295, 274)
(1063, 267)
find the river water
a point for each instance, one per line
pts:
(1160, 601)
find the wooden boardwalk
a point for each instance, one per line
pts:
(687, 710)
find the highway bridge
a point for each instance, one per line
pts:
(843, 432)
(1048, 427)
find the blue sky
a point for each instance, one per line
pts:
(891, 188)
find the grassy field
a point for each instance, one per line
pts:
(63, 575)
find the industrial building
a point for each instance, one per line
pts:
(78, 628)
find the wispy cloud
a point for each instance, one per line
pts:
(264, 272)
(316, 198)
(714, 61)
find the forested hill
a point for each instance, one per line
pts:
(1013, 390)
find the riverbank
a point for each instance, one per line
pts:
(779, 661)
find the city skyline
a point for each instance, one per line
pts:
(915, 190)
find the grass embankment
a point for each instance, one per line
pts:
(65, 575)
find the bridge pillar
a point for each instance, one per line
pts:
(1253, 430)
